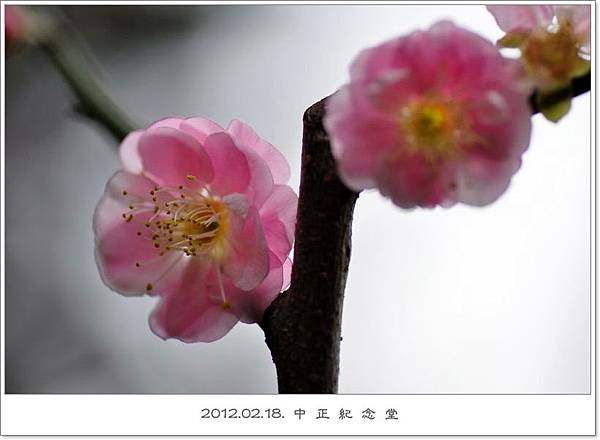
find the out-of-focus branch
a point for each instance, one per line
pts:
(579, 86)
(62, 45)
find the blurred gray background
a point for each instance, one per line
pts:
(493, 300)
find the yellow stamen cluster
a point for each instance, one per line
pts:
(186, 220)
(553, 56)
(435, 127)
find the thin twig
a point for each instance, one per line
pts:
(579, 86)
(63, 47)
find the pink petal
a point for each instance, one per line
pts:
(278, 218)
(118, 245)
(229, 164)
(282, 205)
(397, 70)
(169, 156)
(501, 122)
(277, 237)
(487, 169)
(188, 314)
(360, 140)
(511, 18)
(371, 61)
(579, 16)
(119, 248)
(412, 180)
(245, 135)
(247, 262)
(480, 182)
(128, 151)
(287, 273)
(261, 181)
(168, 122)
(250, 306)
(461, 60)
(129, 154)
(200, 128)
(115, 202)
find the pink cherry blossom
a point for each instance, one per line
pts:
(433, 118)
(554, 40)
(201, 216)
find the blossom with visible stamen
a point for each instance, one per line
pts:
(433, 118)
(199, 215)
(554, 41)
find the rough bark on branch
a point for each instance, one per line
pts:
(303, 325)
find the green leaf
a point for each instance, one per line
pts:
(514, 40)
(581, 68)
(554, 104)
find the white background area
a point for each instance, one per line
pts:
(465, 300)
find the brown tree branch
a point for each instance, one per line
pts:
(303, 325)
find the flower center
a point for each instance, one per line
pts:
(186, 220)
(190, 221)
(435, 127)
(430, 121)
(553, 55)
